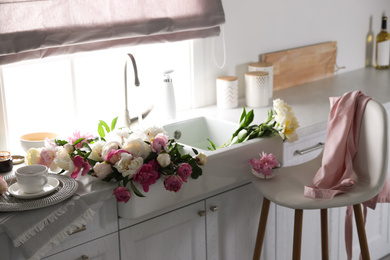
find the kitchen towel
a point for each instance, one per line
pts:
(35, 232)
(342, 142)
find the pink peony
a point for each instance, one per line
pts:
(159, 143)
(76, 136)
(146, 176)
(114, 156)
(173, 183)
(122, 194)
(80, 164)
(47, 156)
(265, 164)
(155, 165)
(3, 185)
(184, 171)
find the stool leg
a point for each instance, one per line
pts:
(297, 234)
(324, 234)
(361, 232)
(261, 230)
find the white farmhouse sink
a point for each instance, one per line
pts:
(194, 132)
(226, 168)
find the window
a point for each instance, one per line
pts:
(67, 93)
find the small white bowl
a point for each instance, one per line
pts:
(36, 140)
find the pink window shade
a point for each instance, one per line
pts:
(31, 29)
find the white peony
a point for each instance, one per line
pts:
(286, 121)
(201, 159)
(33, 156)
(128, 166)
(102, 169)
(97, 151)
(64, 161)
(164, 159)
(137, 148)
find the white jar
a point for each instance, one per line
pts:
(263, 66)
(227, 92)
(257, 89)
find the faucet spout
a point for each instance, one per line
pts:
(127, 121)
(136, 80)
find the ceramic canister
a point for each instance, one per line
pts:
(263, 66)
(257, 90)
(227, 92)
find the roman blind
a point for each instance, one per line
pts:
(32, 29)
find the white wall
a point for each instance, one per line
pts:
(254, 27)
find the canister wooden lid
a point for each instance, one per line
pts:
(227, 78)
(261, 64)
(257, 73)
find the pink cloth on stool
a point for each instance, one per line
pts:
(342, 142)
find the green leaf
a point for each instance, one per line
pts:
(136, 191)
(196, 151)
(78, 141)
(104, 124)
(243, 114)
(249, 118)
(213, 148)
(196, 170)
(60, 142)
(113, 123)
(101, 131)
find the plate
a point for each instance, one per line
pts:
(50, 186)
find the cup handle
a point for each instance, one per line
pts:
(45, 180)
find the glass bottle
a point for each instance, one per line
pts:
(382, 54)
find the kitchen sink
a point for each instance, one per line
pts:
(194, 132)
(225, 169)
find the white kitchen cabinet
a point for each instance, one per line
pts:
(232, 221)
(221, 227)
(179, 234)
(104, 248)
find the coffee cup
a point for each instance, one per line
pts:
(32, 178)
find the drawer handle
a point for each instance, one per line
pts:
(77, 230)
(214, 208)
(84, 257)
(202, 213)
(308, 150)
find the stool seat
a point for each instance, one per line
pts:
(286, 188)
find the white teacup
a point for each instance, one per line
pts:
(32, 178)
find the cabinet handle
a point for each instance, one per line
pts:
(77, 230)
(202, 213)
(84, 257)
(308, 150)
(214, 208)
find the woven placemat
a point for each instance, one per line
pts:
(66, 188)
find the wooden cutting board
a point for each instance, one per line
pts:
(302, 65)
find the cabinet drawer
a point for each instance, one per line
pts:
(105, 221)
(306, 148)
(105, 248)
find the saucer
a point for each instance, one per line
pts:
(50, 186)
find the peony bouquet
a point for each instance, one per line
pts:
(281, 121)
(127, 157)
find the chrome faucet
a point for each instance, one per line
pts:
(127, 120)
